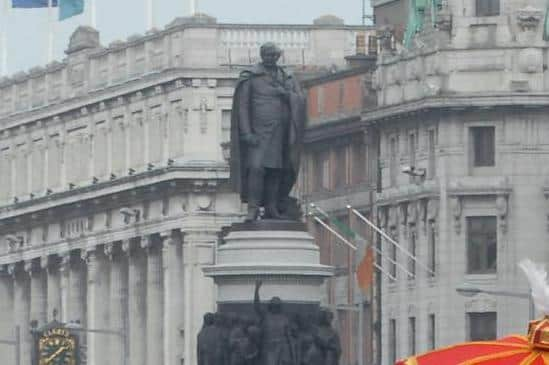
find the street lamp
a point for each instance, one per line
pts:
(468, 290)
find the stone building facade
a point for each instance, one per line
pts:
(337, 170)
(465, 105)
(114, 182)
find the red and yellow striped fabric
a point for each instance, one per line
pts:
(512, 350)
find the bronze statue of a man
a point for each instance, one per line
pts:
(277, 347)
(267, 126)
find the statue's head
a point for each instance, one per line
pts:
(270, 54)
(209, 319)
(275, 305)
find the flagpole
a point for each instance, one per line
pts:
(376, 250)
(393, 262)
(333, 231)
(51, 25)
(4, 50)
(149, 14)
(4, 39)
(192, 7)
(379, 268)
(384, 235)
(93, 14)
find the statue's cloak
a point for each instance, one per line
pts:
(239, 150)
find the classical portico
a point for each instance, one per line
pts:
(142, 287)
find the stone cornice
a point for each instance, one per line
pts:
(273, 269)
(202, 176)
(428, 190)
(471, 186)
(458, 102)
(320, 131)
(365, 71)
(175, 26)
(207, 222)
(96, 96)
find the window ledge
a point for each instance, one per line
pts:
(486, 20)
(481, 279)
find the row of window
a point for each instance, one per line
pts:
(481, 247)
(412, 249)
(338, 167)
(411, 146)
(481, 326)
(412, 337)
(482, 149)
(487, 8)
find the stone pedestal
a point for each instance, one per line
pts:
(280, 253)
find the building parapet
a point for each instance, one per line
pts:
(185, 43)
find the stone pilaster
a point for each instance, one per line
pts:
(199, 291)
(172, 264)
(64, 268)
(137, 306)
(97, 310)
(21, 313)
(155, 317)
(7, 323)
(77, 291)
(38, 292)
(117, 302)
(52, 264)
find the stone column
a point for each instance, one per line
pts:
(77, 291)
(21, 304)
(154, 300)
(7, 323)
(199, 291)
(64, 268)
(97, 309)
(38, 293)
(173, 296)
(137, 306)
(116, 303)
(51, 265)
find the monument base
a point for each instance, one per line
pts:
(282, 254)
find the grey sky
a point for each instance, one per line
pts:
(117, 19)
